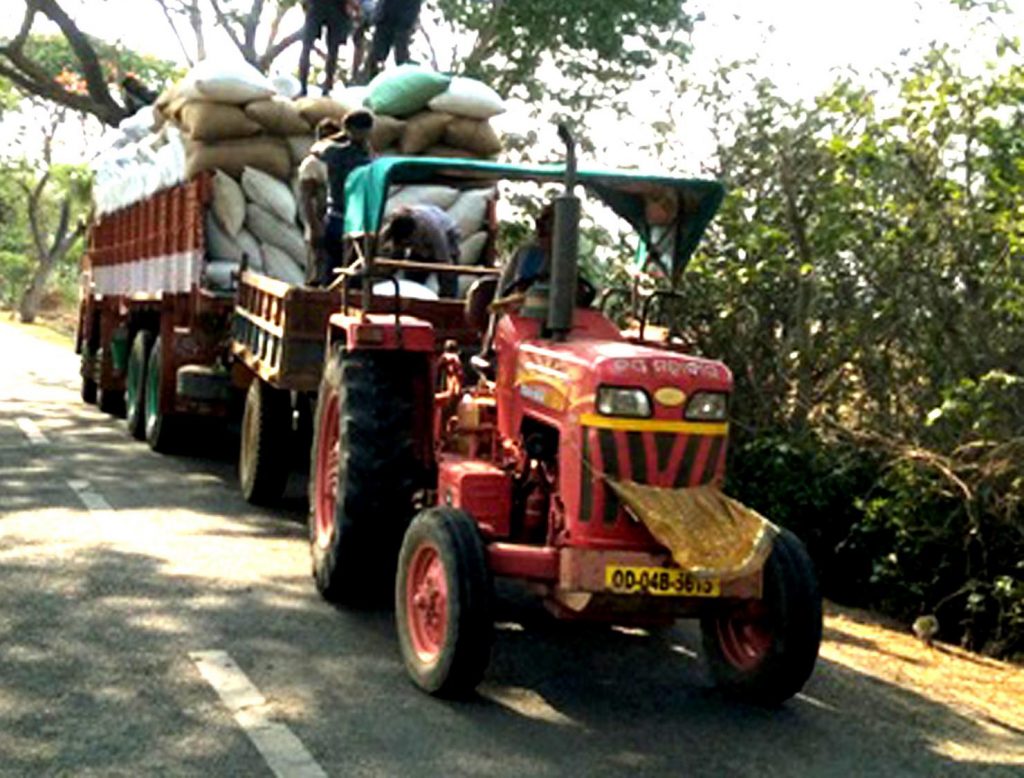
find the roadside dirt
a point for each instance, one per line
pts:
(974, 686)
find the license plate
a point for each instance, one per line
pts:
(658, 580)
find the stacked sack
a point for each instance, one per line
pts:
(420, 112)
(229, 119)
(236, 124)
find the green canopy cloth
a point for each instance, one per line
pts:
(669, 214)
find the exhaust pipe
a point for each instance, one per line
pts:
(565, 246)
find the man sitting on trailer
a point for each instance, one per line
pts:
(326, 169)
(425, 233)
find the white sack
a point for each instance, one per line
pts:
(220, 276)
(228, 203)
(277, 264)
(139, 124)
(219, 245)
(269, 229)
(250, 248)
(468, 97)
(286, 85)
(270, 194)
(441, 196)
(472, 248)
(406, 288)
(470, 210)
(232, 81)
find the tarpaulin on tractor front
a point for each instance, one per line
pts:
(709, 534)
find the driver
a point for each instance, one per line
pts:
(531, 262)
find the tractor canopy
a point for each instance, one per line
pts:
(669, 214)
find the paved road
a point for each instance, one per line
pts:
(117, 565)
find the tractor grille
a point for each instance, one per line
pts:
(666, 459)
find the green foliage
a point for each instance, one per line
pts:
(578, 52)
(864, 280)
(55, 56)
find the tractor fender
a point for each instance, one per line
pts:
(381, 332)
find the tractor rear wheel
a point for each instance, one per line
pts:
(443, 602)
(263, 456)
(363, 474)
(764, 650)
(135, 384)
(160, 427)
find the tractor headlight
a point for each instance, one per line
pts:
(621, 401)
(708, 406)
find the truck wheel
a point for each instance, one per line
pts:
(111, 401)
(89, 391)
(159, 426)
(263, 456)
(363, 474)
(764, 650)
(443, 608)
(135, 384)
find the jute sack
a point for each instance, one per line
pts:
(232, 156)
(228, 203)
(269, 229)
(278, 264)
(278, 116)
(216, 121)
(448, 152)
(441, 196)
(404, 90)
(269, 193)
(298, 147)
(386, 132)
(472, 248)
(478, 137)
(470, 209)
(313, 109)
(423, 131)
(469, 97)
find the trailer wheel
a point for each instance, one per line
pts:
(135, 384)
(363, 474)
(160, 427)
(764, 650)
(443, 602)
(263, 456)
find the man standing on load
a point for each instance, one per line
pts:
(325, 170)
(336, 16)
(394, 22)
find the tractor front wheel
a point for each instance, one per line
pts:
(764, 650)
(443, 609)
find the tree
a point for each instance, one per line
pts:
(42, 66)
(53, 203)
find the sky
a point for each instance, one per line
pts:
(801, 44)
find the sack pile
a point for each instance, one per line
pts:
(231, 120)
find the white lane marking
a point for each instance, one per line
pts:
(31, 431)
(90, 499)
(282, 750)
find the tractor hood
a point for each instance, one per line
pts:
(669, 214)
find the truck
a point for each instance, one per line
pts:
(539, 444)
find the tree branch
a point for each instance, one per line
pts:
(174, 29)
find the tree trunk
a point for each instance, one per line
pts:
(29, 306)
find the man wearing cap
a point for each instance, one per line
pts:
(322, 177)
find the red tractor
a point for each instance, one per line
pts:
(440, 484)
